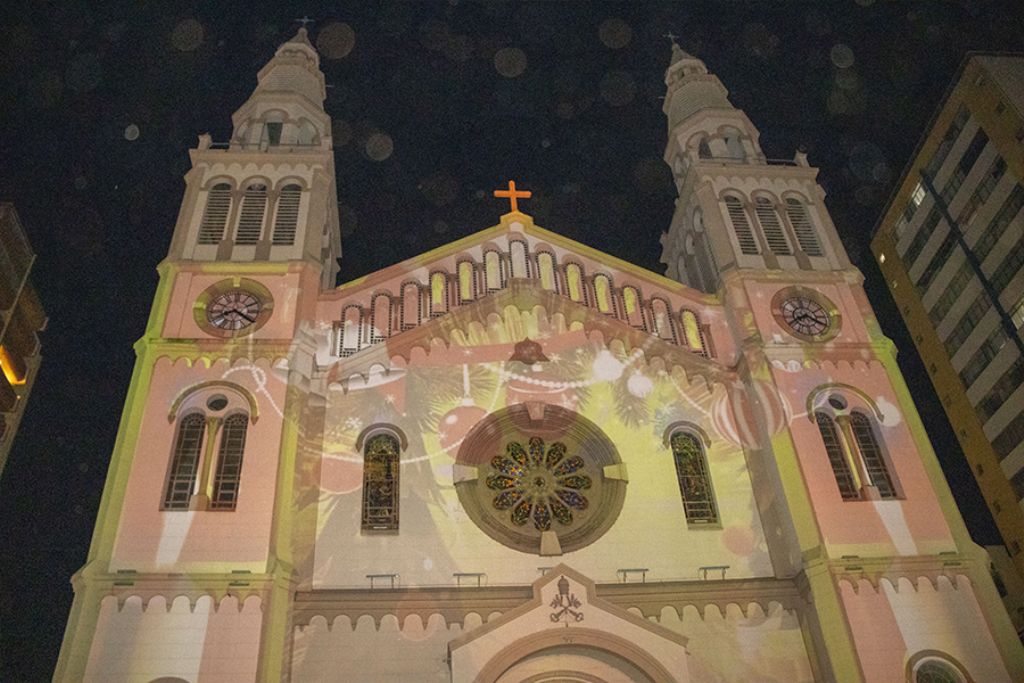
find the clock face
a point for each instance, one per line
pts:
(806, 316)
(234, 310)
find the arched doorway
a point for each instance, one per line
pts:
(573, 664)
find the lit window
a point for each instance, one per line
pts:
(881, 258)
(380, 483)
(918, 195)
(694, 479)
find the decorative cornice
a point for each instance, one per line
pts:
(455, 604)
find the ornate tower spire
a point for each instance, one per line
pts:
(287, 106)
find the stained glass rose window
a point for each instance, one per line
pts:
(542, 480)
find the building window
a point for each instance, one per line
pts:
(951, 294)
(806, 236)
(853, 449)
(771, 226)
(215, 215)
(952, 133)
(916, 245)
(938, 260)
(286, 221)
(972, 316)
(229, 463)
(703, 149)
(836, 458)
(694, 479)
(380, 482)
(997, 226)
(274, 133)
(1003, 388)
(871, 454)
(206, 462)
(188, 445)
(250, 218)
(1011, 437)
(741, 226)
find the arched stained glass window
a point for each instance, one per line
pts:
(380, 483)
(287, 219)
(694, 480)
(836, 458)
(871, 454)
(215, 215)
(771, 227)
(229, 462)
(574, 281)
(546, 267)
(250, 218)
(806, 236)
(185, 462)
(741, 226)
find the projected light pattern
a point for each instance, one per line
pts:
(538, 485)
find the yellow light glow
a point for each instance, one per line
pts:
(881, 258)
(9, 367)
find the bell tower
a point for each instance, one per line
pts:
(736, 208)
(848, 485)
(269, 194)
(198, 515)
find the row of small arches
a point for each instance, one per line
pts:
(778, 235)
(415, 303)
(250, 224)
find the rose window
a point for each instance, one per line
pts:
(541, 479)
(539, 485)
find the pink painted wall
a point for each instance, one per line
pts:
(150, 539)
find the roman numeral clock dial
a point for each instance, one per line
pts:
(234, 310)
(806, 316)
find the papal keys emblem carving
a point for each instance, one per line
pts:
(565, 604)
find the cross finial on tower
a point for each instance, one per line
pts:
(305, 21)
(671, 36)
(513, 195)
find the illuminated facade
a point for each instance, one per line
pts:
(963, 302)
(516, 458)
(21, 319)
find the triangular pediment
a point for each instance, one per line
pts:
(565, 611)
(517, 265)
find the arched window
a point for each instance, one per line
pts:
(181, 480)
(603, 292)
(857, 459)
(694, 480)
(438, 293)
(871, 454)
(703, 149)
(836, 457)
(287, 219)
(206, 463)
(741, 226)
(546, 269)
(229, 462)
(574, 281)
(467, 284)
(380, 482)
(806, 236)
(215, 215)
(691, 332)
(250, 218)
(492, 268)
(771, 227)
(734, 145)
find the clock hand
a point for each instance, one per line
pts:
(252, 320)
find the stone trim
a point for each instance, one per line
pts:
(455, 604)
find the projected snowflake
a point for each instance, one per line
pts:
(539, 485)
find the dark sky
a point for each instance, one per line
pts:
(100, 102)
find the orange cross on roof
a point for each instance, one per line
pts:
(513, 194)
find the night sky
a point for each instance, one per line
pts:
(434, 106)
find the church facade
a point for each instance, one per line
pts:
(516, 458)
